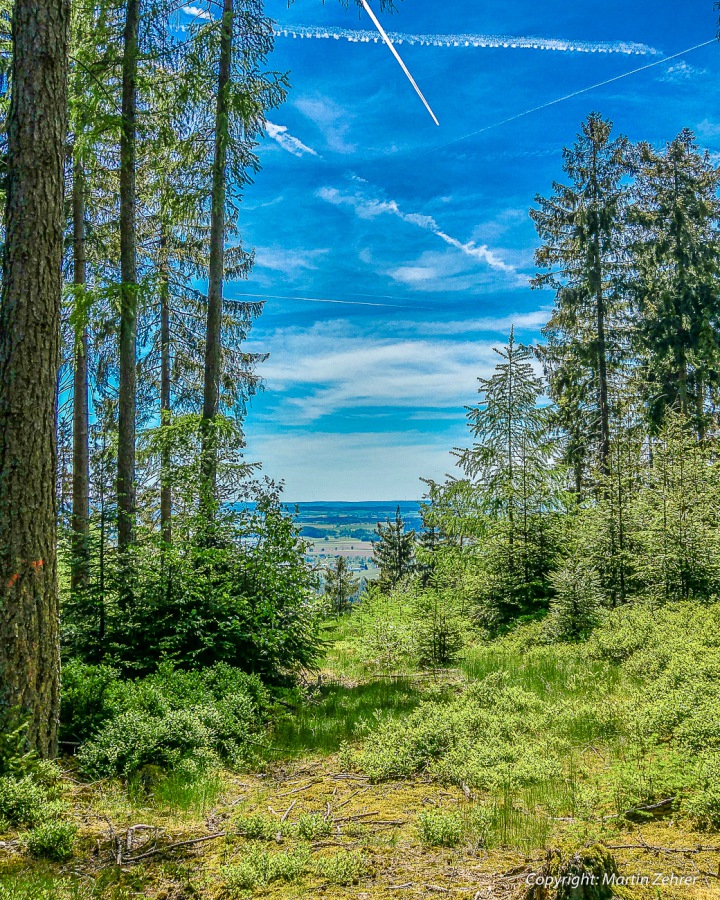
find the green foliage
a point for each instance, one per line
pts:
(340, 586)
(258, 827)
(24, 801)
(393, 551)
(582, 227)
(311, 826)
(675, 249)
(261, 867)
(386, 629)
(574, 609)
(345, 867)
(197, 719)
(15, 758)
(676, 513)
(52, 840)
(439, 829)
(510, 463)
(234, 590)
(439, 627)
(90, 695)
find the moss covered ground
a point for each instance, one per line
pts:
(467, 783)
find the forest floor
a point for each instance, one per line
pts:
(309, 823)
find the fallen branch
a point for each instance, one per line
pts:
(654, 849)
(287, 812)
(200, 840)
(300, 789)
(354, 794)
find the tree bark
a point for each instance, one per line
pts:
(29, 360)
(213, 334)
(80, 520)
(165, 411)
(128, 300)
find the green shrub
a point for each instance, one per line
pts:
(175, 718)
(343, 868)
(312, 826)
(89, 699)
(22, 800)
(258, 827)
(238, 879)
(15, 758)
(52, 840)
(261, 867)
(440, 829)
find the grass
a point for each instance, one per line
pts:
(446, 781)
(337, 713)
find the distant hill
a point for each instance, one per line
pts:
(352, 520)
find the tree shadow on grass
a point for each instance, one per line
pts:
(336, 713)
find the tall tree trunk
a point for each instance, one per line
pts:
(29, 360)
(165, 411)
(128, 300)
(81, 454)
(602, 378)
(213, 349)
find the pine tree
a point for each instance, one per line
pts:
(340, 585)
(676, 256)
(581, 226)
(393, 551)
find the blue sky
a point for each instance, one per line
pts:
(422, 231)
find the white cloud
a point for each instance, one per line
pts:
(368, 207)
(681, 73)
(288, 261)
(325, 465)
(287, 141)
(196, 12)
(332, 120)
(337, 366)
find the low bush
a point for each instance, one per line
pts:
(173, 718)
(438, 828)
(342, 868)
(261, 867)
(23, 801)
(312, 826)
(258, 827)
(52, 840)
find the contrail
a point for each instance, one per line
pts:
(496, 41)
(577, 93)
(394, 52)
(325, 300)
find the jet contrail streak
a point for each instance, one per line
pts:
(485, 41)
(394, 52)
(325, 300)
(578, 93)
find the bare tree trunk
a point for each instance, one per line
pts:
(128, 301)
(165, 411)
(81, 454)
(29, 360)
(128, 274)
(213, 348)
(602, 379)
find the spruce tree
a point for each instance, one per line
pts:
(582, 255)
(510, 465)
(676, 256)
(340, 585)
(393, 551)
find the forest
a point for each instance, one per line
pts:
(524, 704)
